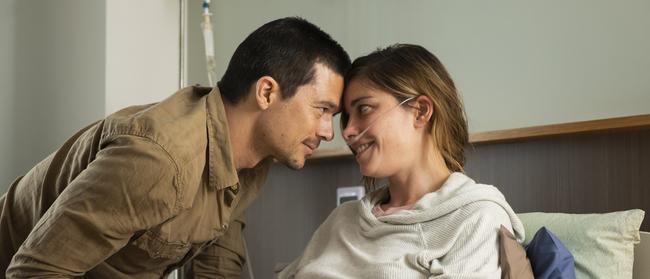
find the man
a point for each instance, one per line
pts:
(153, 187)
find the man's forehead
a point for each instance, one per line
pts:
(325, 74)
(328, 82)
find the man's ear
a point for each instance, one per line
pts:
(266, 92)
(424, 111)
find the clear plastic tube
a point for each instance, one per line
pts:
(208, 40)
(357, 137)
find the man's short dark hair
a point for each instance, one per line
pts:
(285, 49)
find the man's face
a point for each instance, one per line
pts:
(295, 126)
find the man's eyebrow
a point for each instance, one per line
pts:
(329, 104)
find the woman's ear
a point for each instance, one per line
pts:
(266, 91)
(424, 111)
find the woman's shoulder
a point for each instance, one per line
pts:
(487, 209)
(346, 210)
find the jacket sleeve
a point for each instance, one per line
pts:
(130, 186)
(225, 258)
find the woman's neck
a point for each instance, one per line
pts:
(408, 186)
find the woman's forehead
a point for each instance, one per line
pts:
(358, 90)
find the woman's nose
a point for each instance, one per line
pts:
(350, 132)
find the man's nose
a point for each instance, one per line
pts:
(325, 130)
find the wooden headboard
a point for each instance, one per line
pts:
(585, 173)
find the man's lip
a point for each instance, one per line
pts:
(312, 147)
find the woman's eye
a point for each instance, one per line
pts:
(364, 109)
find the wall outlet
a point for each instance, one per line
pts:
(352, 193)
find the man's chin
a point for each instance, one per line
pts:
(296, 164)
(293, 163)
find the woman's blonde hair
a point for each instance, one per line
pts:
(405, 71)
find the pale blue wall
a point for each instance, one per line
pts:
(52, 53)
(517, 63)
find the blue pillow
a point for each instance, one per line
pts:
(549, 258)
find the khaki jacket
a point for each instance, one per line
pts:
(135, 195)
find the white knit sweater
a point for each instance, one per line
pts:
(450, 233)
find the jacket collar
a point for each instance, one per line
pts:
(222, 172)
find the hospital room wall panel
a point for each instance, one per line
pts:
(142, 52)
(67, 63)
(54, 58)
(7, 32)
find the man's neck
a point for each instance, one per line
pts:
(240, 129)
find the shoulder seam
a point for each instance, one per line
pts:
(177, 180)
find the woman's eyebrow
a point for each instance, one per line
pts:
(355, 101)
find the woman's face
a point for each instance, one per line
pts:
(388, 145)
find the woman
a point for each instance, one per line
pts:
(404, 121)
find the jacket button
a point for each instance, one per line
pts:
(224, 226)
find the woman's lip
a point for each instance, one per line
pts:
(356, 145)
(370, 145)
